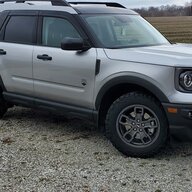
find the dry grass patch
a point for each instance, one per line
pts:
(176, 29)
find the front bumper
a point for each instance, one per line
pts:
(180, 120)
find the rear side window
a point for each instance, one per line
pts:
(21, 29)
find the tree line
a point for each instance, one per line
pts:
(166, 10)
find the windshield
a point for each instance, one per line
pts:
(118, 31)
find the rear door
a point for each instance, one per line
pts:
(63, 76)
(16, 49)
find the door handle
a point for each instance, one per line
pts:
(44, 57)
(2, 52)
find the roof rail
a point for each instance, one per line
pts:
(53, 2)
(110, 4)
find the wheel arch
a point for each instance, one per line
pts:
(122, 85)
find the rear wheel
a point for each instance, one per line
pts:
(3, 107)
(136, 125)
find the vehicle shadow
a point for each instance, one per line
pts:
(43, 123)
(57, 125)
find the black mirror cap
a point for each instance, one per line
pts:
(74, 44)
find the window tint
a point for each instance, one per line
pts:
(55, 30)
(21, 29)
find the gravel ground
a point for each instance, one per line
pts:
(42, 152)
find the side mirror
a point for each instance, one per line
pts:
(74, 44)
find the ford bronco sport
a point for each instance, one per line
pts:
(104, 63)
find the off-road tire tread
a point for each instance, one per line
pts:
(113, 108)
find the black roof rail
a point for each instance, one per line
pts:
(53, 2)
(110, 4)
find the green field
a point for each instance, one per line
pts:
(176, 29)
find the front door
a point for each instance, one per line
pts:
(62, 76)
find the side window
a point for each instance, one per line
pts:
(55, 30)
(21, 29)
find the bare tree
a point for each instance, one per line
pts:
(166, 10)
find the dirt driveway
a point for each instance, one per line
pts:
(44, 153)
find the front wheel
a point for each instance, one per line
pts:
(136, 125)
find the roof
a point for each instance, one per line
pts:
(101, 9)
(72, 9)
(26, 6)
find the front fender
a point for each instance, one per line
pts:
(134, 80)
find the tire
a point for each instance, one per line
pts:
(3, 107)
(136, 125)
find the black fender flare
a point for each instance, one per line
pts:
(138, 81)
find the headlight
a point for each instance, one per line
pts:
(185, 80)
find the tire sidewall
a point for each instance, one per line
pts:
(114, 111)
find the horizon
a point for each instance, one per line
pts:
(143, 3)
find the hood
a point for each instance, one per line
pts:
(169, 55)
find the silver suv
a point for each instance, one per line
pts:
(103, 63)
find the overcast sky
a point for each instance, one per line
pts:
(146, 3)
(143, 3)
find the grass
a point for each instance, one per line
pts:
(175, 29)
